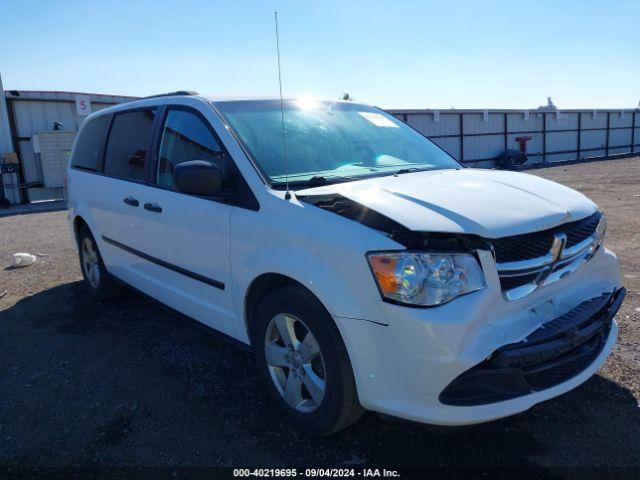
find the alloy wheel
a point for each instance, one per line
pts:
(90, 262)
(295, 362)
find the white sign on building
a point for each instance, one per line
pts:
(83, 105)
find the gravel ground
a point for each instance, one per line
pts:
(128, 383)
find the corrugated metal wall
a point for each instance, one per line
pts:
(478, 136)
(35, 112)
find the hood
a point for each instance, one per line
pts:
(488, 203)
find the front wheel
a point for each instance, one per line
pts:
(303, 363)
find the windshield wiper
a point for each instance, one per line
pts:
(317, 180)
(320, 180)
(408, 170)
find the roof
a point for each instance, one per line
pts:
(62, 96)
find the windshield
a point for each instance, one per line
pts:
(329, 141)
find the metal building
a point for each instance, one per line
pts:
(477, 137)
(39, 127)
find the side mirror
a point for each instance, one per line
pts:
(198, 177)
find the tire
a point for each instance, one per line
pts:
(317, 415)
(510, 158)
(102, 285)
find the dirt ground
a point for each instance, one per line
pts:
(128, 383)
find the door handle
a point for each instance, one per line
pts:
(153, 207)
(131, 201)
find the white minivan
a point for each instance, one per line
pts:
(364, 266)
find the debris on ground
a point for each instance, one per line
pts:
(23, 259)
(3, 293)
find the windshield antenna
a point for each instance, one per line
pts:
(287, 194)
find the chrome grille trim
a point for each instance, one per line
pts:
(579, 247)
(538, 263)
(532, 263)
(558, 263)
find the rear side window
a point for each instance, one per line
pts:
(186, 137)
(88, 152)
(128, 144)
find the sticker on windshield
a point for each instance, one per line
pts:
(378, 119)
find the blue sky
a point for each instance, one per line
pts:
(402, 54)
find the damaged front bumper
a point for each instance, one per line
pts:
(557, 351)
(470, 361)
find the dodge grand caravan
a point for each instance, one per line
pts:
(363, 265)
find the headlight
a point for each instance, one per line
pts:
(425, 279)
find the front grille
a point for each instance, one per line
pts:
(582, 230)
(522, 247)
(538, 244)
(534, 251)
